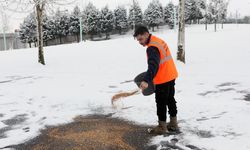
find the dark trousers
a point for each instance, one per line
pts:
(164, 95)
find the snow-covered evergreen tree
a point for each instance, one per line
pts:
(194, 10)
(135, 15)
(107, 21)
(74, 25)
(201, 9)
(50, 27)
(190, 8)
(153, 15)
(91, 20)
(47, 29)
(28, 29)
(62, 24)
(170, 11)
(121, 21)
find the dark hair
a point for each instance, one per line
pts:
(140, 30)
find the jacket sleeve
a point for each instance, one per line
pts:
(153, 63)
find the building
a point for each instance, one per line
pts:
(12, 41)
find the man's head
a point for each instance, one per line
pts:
(142, 35)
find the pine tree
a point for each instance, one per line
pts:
(201, 9)
(92, 20)
(190, 10)
(50, 27)
(74, 25)
(28, 29)
(194, 10)
(62, 24)
(135, 15)
(47, 34)
(121, 21)
(154, 14)
(107, 21)
(169, 15)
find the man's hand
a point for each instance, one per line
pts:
(143, 85)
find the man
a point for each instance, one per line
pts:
(162, 71)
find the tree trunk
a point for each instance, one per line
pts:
(222, 24)
(91, 37)
(215, 26)
(153, 28)
(39, 12)
(107, 35)
(30, 44)
(77, 38)
(60, 38)
(206, 25)
(181, 33)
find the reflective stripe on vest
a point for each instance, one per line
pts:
(162, 49)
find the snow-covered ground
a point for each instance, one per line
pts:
(80, 79)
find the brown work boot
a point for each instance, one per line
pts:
(173, 124)
(160, 129)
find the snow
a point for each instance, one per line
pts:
(80, 79)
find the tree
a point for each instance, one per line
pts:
(217, 9)
(62, 22)
(91, 19)
(153, 14)
(39, 6)
(74, 23)
(223, 11)
(121, 21)
(246, 19)
(181, 33)
(28, 30)
(170, 11)
(194, 10)
(135, 15)
(107, 21)
(200, 10)
(47, 29)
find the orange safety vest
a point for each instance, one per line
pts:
(167, 70)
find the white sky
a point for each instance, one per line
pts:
(243, 7)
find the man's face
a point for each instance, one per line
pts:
(142, 38)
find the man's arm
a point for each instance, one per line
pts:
(153, 63)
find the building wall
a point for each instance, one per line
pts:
(12, 41)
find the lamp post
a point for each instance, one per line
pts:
(4, 28)
(175, 19)
(237, 18)
(133, 16)
(80, 20)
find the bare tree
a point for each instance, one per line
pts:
(218, 11)
(181, 33)
(40, 6)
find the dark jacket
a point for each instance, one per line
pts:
(153, 62)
